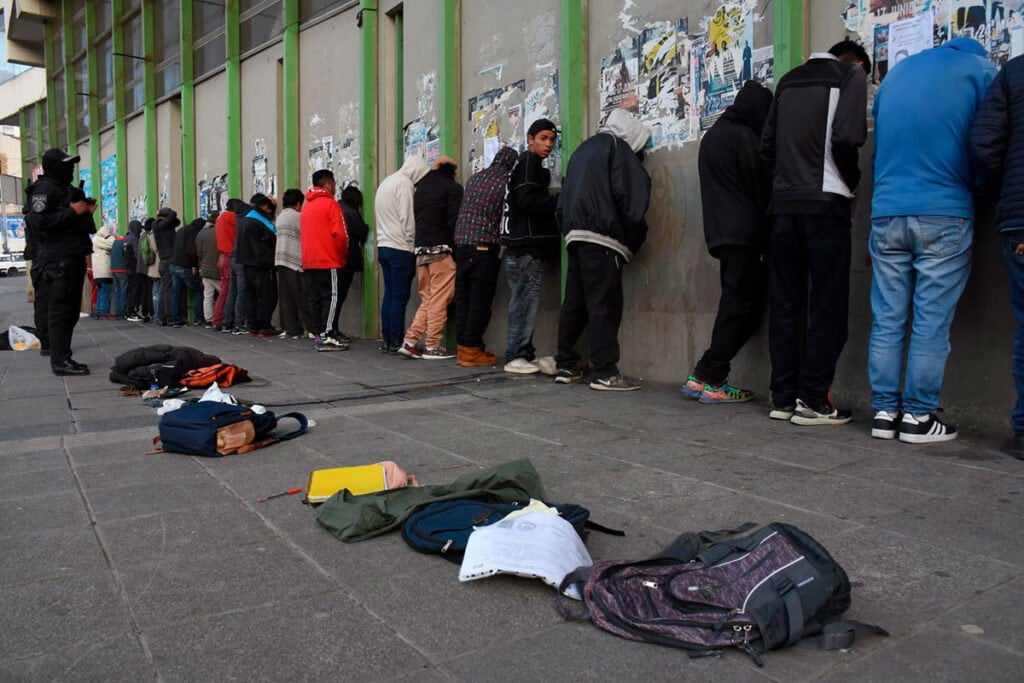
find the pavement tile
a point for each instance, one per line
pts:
(150, 498)
(41, 617)
(730, 470)
(26, 484)
(186, 585)
(1004, 493)
(140, 469)
(986, 618)
(42, 512)
(33, 556)
(118, 658)
(31, 461)
(919, 473)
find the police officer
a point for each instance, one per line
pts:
(58, 222)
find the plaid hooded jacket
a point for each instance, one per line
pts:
(483, 202)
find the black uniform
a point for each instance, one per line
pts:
(59, 240)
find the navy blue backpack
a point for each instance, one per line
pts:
(216, 429)
(443, 528)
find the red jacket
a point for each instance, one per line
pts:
(323, 233)
(225, 229)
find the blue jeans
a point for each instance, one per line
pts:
(103, 286)
(524, 277)
(120, 293)
(182, 278)
(398, 268)
(920, 264)
(1013, 254)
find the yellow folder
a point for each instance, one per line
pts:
(358, 480)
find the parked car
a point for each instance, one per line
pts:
(12, 264)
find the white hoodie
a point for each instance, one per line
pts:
(393, 205)
(102, 243)
(624, 125)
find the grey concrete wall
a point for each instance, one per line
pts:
(168, 144)
(260, 121)
(135, 133)
(211, 128)
(510, 58)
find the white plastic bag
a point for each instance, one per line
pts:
(213, 393)
(22, 340)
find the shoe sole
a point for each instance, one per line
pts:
(720, 401)
(927, 438)
(426, 357)
(817, 421)
(524, 371)
(690, 393)
(474, 364)
(567, 380)
(604, 387)
(329, 349)
(408, 354)
(887, 434)
(786, 415)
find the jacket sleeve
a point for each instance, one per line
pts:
(357, 228)
(990, 134)
(768, 132)
(631, 192)
(407, 212)
(850, 125)
(103, 243)
(340, 229)
(756, 172)
(453, 202)
(529, 196)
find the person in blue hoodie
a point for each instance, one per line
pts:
(922, 230)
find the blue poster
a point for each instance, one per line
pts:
(108, 190)
(85, 178)
(15, 227)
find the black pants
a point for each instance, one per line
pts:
(261, 297)
(41, 305)
(62, 282)
(744, 277)
(818, 247)
(476, 278)
(166, 283)
(593, 298)
(135, 291)
(294, 311)
(326, 289)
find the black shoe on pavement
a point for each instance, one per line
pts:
(568, 375)
(925, 429)
(885, 425)
(827, 414)
(69, 368)
(615, 383)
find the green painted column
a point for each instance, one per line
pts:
(233, 71)
(93, 102)
(120, 127)
(572, 84)
(368, 161)
(290, 107)
(70, 104)
(399, 90)
(188, 116)
(789, 29)
(51, 66)
(449, 78)
(149, 108)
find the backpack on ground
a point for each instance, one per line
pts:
(215, 429)
(224, 374)
(443, 528)
(147, 249)
(770, 589)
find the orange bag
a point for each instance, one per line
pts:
(224, 374)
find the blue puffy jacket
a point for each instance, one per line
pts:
(997, 142)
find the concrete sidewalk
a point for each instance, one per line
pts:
(115, 565)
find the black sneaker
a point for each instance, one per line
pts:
(925, 429)
(827, 414)
(615, 383)
(885, 424)
(568, 376)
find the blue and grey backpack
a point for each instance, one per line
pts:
(216, 429)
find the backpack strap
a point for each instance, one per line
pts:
(594, 526)
(683, 549)
(570, 611)
(721, 534)
(794, 609)
(156, 449)
(839, 635)
(303, 426)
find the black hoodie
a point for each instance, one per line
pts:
(735, 181)
(52, 228)
(131, 247)
(163, 230)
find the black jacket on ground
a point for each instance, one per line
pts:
(735, 180)
(606, 192)
(184, 254)
(530, 215)
(52, 228)
(997, 144)
(821, 100)
(163, 231)
(160, 363)
(254, 243)
(358, 233)
(436, 205)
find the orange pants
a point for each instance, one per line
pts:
(437, 289)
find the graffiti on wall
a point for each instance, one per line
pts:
(420, 135)
(679, 81)
(108, 190)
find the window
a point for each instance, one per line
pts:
(105, 79)
(58, 46)
(59, 95)
(44, 127)
(29, 133)
(168, 47)
(261, 21)
(80, 69)
(311, 8)
(209, 46)
(134, 66)
(104, 16)
(129, 6)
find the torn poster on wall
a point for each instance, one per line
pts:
(346, 151)
(262, 180)
(420, 136)
(212, 194)
(679, 83)
(137, 208)
(108, 190)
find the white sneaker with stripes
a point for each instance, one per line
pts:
(925, 429)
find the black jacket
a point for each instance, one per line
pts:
(605, 195)
(163, 232)
(805, 179)
(254, 243)
(358, 232)
(53, 230)
(530, 215)
(131, 246)
(184, 254)
(436, 205)
(997, 144)
(735, 181)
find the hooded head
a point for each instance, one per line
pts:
(414, 168)
(624, 125)
(135, 228)
(965, 44)
(105, 231)
(505, 159)
(750, 108)
(59, 165)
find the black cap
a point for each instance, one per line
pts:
(60, 156)
(541, 125)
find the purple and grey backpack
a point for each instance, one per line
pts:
(767, 590)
